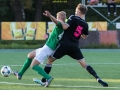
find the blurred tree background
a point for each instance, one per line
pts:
(31, 10)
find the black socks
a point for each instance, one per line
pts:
(47, 69)
(92, 71)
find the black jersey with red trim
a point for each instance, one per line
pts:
(77, 26)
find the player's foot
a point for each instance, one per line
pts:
(38, 81)
(104, 84)
(48, 82)
(43, 80)
(17, 75)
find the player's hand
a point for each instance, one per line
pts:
(47, 13)
(84, 36)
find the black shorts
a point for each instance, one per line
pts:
(67, 49)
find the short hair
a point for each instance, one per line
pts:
(82, 8)
(61, 13)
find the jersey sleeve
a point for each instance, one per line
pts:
(85, 31)
(70, 20)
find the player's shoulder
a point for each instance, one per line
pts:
(76, 17)
(72, 16)
(82, 20)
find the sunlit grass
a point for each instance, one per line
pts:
(67, 73)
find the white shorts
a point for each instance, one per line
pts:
(43, 53)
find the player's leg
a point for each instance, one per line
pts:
(39, 59)
(92, 72)
(48, 67)
(88, 68)
(26, 65)
(58, 53)
(77, 54)
(35, 66)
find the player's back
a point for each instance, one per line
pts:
(77, 26)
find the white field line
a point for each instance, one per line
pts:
(9, 83)
(73, 64)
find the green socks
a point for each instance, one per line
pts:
(25, 66)
(36, 68)
(41, 71)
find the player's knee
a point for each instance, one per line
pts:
(50, 60)
(31, 55)
(82, 63)
(34, 63)
(33, 66)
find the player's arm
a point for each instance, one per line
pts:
(53, 19)
(85, 32)
(48, 14)
(68, 23)
(64, 25)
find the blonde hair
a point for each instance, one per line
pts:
(83, 9)
(62, 14)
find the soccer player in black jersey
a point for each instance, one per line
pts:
(75, 28)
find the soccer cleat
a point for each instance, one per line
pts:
(104, 84)
(38, 81)
(48, 82)
(17, 75)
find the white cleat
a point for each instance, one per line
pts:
(38, 81)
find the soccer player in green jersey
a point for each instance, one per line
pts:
(39, 55)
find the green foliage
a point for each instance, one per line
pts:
(69, 7)
(27, 4)
(102, 46)
(21, 44)
(3, 7)
(6, 14)
(37, 43)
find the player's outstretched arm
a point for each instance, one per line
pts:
(48, 14)
(65, 25)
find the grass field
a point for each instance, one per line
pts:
(67, 73)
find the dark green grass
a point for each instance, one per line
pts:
(67, 73)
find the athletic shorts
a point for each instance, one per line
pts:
(43, 53)
(69, 49)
